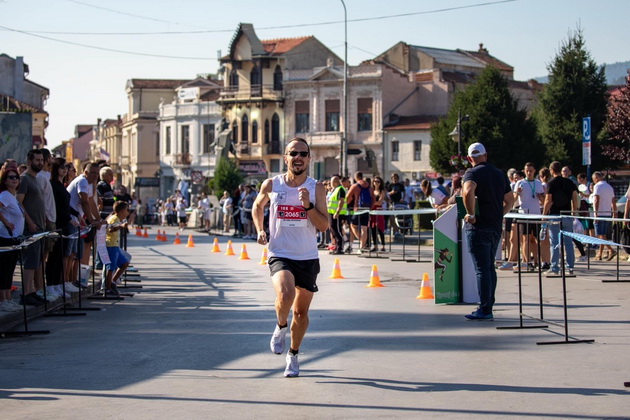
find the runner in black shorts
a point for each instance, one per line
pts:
(297, 210)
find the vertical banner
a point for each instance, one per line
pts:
(446, 258)
(586, 141)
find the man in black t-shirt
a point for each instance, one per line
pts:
(562, 197)
(487, 190)
(396, 190)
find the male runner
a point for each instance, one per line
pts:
(297, 211)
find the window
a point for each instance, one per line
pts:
(234, 78)
(364, 117)
(157, 144)
(302, 116)
(417, 150)
(277, 78)
(235, 131)
(185, 139)
(167, 141)
(244, 129)
(208, 137)
(254, 131)
(332, 115)
(395, 149)
(266, 131)
(254, 76)
(274, 165)
(275, 128)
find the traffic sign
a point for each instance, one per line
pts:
(586, 141)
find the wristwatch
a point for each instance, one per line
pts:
(471, 216)
(311, 207)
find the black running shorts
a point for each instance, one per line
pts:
(305, 271)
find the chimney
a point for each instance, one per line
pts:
(18, 79)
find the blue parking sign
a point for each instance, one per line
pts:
(586, 141)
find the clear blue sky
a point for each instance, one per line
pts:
(88, 83)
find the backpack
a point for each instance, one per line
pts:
(365, 197)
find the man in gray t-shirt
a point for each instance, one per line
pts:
(31, 196)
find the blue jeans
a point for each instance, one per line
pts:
(483, 246)
(554, 238)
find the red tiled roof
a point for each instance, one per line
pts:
(157, 83)
(414, 122)
(282, 45)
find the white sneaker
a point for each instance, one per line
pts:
(506, 266)
(278, 339)
(8, 306)
(583, 258)
(49, 297)
(71, 288)
(293, 367)
(52, 291)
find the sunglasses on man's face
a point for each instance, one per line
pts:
(294, 153)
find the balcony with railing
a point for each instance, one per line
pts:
(251, 93)
(183, 159)
(189, 109)
(324, 139)
(274, 148)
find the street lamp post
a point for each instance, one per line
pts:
(344, 133)
(458, 134)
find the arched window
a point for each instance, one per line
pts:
(277, 78)
(266, 131)
(235, 131)
(254, 76)
(244, 129)
(254, 131)
(234, 78)
(275, 128)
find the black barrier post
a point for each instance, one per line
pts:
(520, 288)
(26, 332)
(564, 297)
(617, 226)
(79, 255)
(96, 295)
(64, 306)
(126, 274)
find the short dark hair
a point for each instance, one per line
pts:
(555, 167)
(31, 154)
(120, 205)
(298, 139)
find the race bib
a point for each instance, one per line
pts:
(292, 216)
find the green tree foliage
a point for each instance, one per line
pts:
(618, 126)
(227, 177)
(576, 89)
(494, 119)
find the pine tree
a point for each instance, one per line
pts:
(576, 89)
(618, 126)
(494, 119)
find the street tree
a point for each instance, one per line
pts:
(576, 89)
(617, 146)
(227, 177)
(492, 117)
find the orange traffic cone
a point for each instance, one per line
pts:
(215, 247)
(177, 241)
(425, 288)
(164, 238)
(191, 243)
(138, 231)
(336, 272)
(158, 237)
(263, 259)
(146, 234)
(244, 255)
(375, 280)
(229, 250)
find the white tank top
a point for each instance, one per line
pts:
(291, 233)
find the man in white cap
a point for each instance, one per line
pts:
(487, 197)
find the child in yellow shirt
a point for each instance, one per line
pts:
(118, 261)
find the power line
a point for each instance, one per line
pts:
(303, 25)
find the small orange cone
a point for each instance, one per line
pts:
(425, 288)
(158, 237)
(375, 280)
(263, 259)
(177, 241)
(164, 238)
(191, 243)
(146, 234)
(215, 246)
(229, 250)
(138, 231)
(244, 255)
(336, 272)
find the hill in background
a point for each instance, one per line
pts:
(615, 74)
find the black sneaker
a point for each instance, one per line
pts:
(30, 300)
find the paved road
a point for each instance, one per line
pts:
(194, 343)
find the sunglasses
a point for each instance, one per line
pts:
(294, 153)
(13, 177)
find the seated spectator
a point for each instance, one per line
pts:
(118, 261)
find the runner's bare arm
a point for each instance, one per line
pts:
(258, 210)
